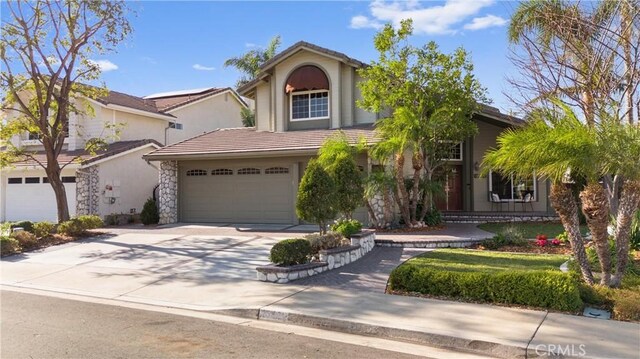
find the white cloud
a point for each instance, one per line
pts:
(484, 22)
(363, 22)
(431, 20)
(104, 65)
(203, 68)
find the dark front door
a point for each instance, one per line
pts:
(451, 200)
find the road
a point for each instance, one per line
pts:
(34, 326)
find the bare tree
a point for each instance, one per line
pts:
(46, 53)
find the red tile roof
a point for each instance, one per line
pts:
(249, 141)
(83, 157)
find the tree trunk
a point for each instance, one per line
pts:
(564, 203)
(629, 204)
(427, 201)
(402, 197)
(595, 206)
(372, 214)
(416, 162)
(627, 34)
(54, 175)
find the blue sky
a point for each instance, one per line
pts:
(182, 45)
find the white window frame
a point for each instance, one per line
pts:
(297, 93)
(461, 154)
(512, 199)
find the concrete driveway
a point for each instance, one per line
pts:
(200, 267)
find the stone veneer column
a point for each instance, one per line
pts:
(168, 192)
(87, 191)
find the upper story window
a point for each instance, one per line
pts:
(308, 90)
(455, 153)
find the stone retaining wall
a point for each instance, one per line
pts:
(361, 244)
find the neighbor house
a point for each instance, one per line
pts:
(302, 96)
(117, 179)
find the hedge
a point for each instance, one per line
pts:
(545, 289)
(290, 252)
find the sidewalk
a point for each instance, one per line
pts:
(484, 329)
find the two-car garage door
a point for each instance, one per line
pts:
(211, 192)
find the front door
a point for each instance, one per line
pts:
(451, 200)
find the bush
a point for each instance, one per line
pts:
(626, 305)
(290, 252)
(346, 227)
(90, 221)
(544, 289)
(9, 246)
(26, 240)
(320, 242)
(26, 225)
(316, 195)
(510, 236)
(563, 237)
(433, 218)
(149, 214)
(43, 229)
(72, 228)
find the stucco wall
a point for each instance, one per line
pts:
(361, 116)
(219, 111)
(263, 108)
(140, 127)
(133, 180)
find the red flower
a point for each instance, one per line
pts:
(541, 242)
(555, 242)
(541, 237)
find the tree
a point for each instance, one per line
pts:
(250, 62)
(316, 196)
(429, 98)
(46, 52)
(248, 117)
(337, 156)
(558, 146)
(586, 56)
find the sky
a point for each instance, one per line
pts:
(183, 45)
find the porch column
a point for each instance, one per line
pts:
(168, 192)
(87, 191)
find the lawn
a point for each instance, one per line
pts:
(486, 261)
(530, 229)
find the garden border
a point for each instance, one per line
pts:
(361, 244)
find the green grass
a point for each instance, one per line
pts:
(531, 229)
(460, 260)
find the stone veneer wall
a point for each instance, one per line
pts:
(87, 191)
(361, 244)
(168, 192)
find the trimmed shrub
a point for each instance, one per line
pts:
(9, 246)
(320, 242)
(316, 195)
(27, 240)
(26, 225)
(290, 252)
(544, 289)
(626, 305)
(71, 228)
(43, 229)
(149, 214)
(346, 227)
(90, 221)
(510, 236)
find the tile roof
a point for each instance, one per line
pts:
(130, 101)
(167, 103)
(83, 157)
(249, 141)
(490, 111)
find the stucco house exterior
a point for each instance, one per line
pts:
(117, 179)
(302, 96)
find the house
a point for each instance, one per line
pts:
(116, 179)
(302, 96)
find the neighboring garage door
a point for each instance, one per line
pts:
(250, 194)
(31, 198)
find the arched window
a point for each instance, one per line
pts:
(221, 172)
(249, 171)
(308, 89)
(196, 173)
(276, 170)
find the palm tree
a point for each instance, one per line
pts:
(557, 145)
(250, 62)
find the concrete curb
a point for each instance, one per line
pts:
(430, 339)
(438, 243)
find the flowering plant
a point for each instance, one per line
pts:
(555, 242)
(541, 237)
(541, 242)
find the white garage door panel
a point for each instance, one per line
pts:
(36, 202)
(251, 198)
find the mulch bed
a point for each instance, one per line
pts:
(54, 240)
(530, 248)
